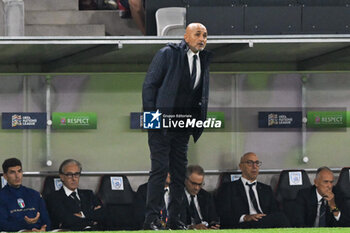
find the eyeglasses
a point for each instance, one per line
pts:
(250, 163)
(196, 184)
(71, 175)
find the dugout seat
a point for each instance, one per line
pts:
(343, 184)
(3, 182)
(342, 193)
(51, 184)
(170, 21)
(117, 197)
(288, 186)
(226, 177)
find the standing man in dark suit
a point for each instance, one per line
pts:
(72, 208)
(317, 205)
(246, 203)
(200, 210)
(177, 81)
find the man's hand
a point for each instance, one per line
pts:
(97, 207)
(253, 217)
(78, 215)
(329, 196)
(199, 226)
(32, 220)
(43, 228)
(215, 227)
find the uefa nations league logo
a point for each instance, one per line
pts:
(272, 119)
(16, 120)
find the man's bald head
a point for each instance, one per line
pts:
(249, 166)
(196, 36)
(194, 26)
(243, 158)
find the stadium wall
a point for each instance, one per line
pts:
(113, 146)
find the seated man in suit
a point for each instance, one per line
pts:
(317, 205)
(72, 208)
(21, 208)
(200, 210)
(140, 203)
(246, 203)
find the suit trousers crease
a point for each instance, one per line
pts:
(168, 154)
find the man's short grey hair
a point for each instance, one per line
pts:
(194, 169)
(67, 162)
(322, 169)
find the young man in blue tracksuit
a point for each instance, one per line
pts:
(21, 208)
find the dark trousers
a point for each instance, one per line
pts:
(168, 154)
(274, 220)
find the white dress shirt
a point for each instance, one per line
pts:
(167, 197)
(190, 55)
(69, 192)
(251, 207)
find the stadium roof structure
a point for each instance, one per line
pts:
(134, 54)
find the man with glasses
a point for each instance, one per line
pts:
(21, 208)
(246, 203)
(72, 208)
(200, 209)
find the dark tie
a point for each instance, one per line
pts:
(323, 209)
(252, 197)
(76, 199)
(194, 71)
(193, 212)
(163, 211)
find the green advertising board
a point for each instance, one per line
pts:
(74, 120)
(214, 118)
(327, 119)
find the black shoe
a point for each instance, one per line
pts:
(176, 225)
(155, 225)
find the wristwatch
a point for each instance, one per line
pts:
(335, 209)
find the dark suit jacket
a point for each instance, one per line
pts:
(163, 78)
(232, 202)
(206, 205)
(62, 208)
(306, 209)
